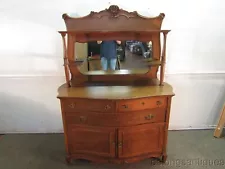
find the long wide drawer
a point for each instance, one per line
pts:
(141, 104)
(116, 119)
(90, 105)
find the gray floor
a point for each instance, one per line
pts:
(133, 61)
(186, 149)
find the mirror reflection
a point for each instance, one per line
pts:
(113, 55)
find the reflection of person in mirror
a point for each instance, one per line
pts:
(108, 54)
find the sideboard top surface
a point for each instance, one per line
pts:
(114, 92)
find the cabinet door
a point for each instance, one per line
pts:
(138, 140)
(92, 140)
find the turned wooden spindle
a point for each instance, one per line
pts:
(163, 60)
(65, 59)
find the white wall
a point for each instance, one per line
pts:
(31, 59)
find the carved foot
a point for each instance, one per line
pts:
(68, 160)
(163, 158)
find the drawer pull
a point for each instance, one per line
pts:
(107, 107)
(158, 103)
(125, 106)
(72, 105)
(143, 103)
(120, 144)
(82, 118)
(149, 117)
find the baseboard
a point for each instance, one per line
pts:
(31, 132)
(62, 75)
(197, 73)
(177, 128)
(61, 132)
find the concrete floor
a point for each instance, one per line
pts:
(133, 61)
(186, 149)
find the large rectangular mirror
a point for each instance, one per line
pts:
(130, 55)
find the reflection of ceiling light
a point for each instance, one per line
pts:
(150, 44)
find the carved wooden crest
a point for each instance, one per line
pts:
(113, 18)
(114, 10)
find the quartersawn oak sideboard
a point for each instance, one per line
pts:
(117, 116)
(118, 124)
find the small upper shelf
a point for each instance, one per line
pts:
(149, 61)
(93, 35)
(153, 62)
(118, 31)
(116, 72)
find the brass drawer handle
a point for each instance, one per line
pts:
(72, 105)
(107, 107)
(125, 106)
(120, 144)
(158, 103)
(149, 117)
(82, 118)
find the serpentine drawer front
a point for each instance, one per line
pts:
(116, 119)
(141, 104)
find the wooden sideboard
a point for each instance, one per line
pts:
(120, 116)
(120, 124)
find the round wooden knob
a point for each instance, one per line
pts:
(82, 118)
(72, 105)
(107, 107)
(125, 106)
(149, 117)
(158, 103)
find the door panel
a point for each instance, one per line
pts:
(92, 140)
(138, 140)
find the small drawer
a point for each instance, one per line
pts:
(146, 116)
(141, 104)
(117, 119)
(73, 105)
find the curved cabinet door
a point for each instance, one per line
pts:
(138, 140)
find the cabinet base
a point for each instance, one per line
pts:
(163, 158)
(96, 159)
(68, 159)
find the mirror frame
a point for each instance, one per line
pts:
(109, 24)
